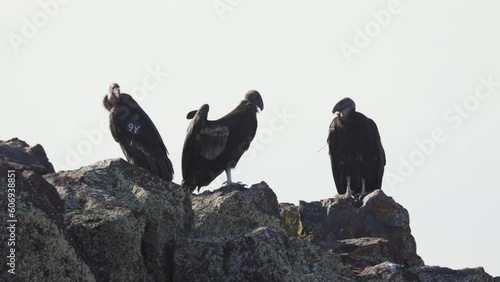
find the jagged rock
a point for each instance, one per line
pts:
(123, 219)
(387, 271)
(443, 274)
(378, 215)
(43, 250)
(21, 156)
(260, 255)
(235, 210)
(289, 214)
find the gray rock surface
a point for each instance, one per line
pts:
(43, 250)
(123, 219)
(260, 255)
(328, 221)
(235, 210)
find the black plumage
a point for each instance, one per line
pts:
(138, 137)
(214, 146)
(356, 153)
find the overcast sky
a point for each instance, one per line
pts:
(427, 72)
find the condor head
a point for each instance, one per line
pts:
(344, 107)
(255, 99)
(112, 97)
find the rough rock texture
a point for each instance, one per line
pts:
(113, 221)
(387, 271)
(123, 219)
(261, 255)
(328, 221)
(18, 155)
(443, 274)
(43, 250)
(235, 210)
(290, 219)
(364, 252)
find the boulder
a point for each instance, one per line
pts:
(20, 156)
(235, 210)
(123, 219)
(379, 216)
(43, 250)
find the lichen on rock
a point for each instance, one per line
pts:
(235, 210)
(122, 216)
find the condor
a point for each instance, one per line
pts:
(356, 153)
(138, 137)
(214, 146)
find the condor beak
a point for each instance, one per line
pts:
(335, 109)
(261, 105)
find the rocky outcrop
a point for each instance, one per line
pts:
(124, 220)
(113, 221)
(329, 221)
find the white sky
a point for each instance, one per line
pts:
(426, 59)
